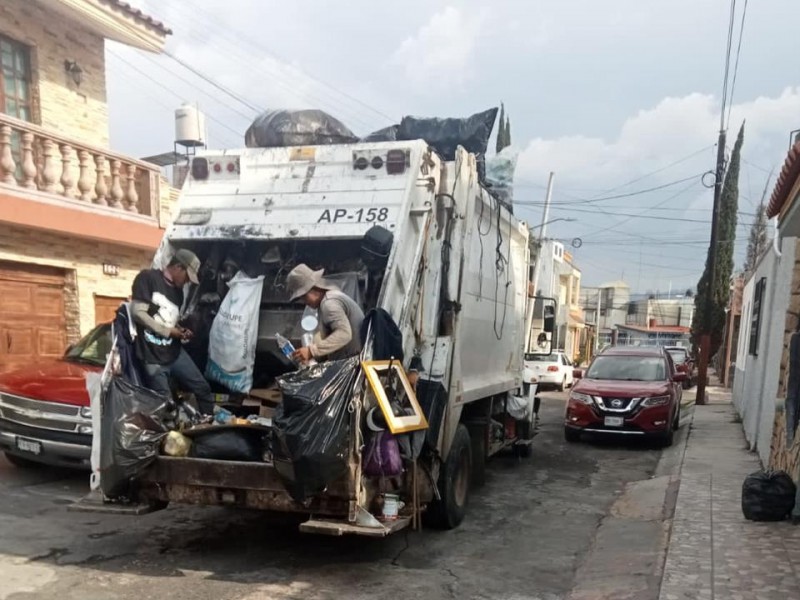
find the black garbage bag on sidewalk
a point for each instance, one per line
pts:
(132, 427)
(281, 128)
(768, 496)
(311, 427)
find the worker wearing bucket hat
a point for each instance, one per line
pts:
(340, 317)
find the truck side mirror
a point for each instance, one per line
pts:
(577, 373)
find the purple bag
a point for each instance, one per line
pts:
(383, 456)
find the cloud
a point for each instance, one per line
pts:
(657, 136)
(441, 52)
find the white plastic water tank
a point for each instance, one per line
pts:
(190, 126)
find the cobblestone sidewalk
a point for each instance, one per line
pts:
(714, 553)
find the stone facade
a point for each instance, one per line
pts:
(83, 261)
(78, 112)
(787, 458)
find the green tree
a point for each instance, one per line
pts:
(500, 143)
(713, 322)
(757, 242)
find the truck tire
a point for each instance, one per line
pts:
(454, 482)
(478, 447)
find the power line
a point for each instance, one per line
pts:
(727, 66)
(736, 63)
(615, 197)
(321, 82)
(233, 47)
(213, 83)
(168, 89)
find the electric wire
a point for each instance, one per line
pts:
(736, 64)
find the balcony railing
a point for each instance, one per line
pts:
(34, 158)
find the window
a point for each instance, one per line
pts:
(755, 321)
(628, 368)
(15, 97)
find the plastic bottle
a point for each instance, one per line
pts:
(285, 345)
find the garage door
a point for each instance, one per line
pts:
(32, 319)
(105, 307)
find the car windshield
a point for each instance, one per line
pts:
(627, 368)
(679, 356)
(93, 348)
(542, 357)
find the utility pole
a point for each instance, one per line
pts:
(705, 336)
(597, 320)
(537, 268)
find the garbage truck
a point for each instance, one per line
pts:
(402, 229)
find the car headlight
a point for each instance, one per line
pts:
(656, 401)
(582, 398)
(86, 412)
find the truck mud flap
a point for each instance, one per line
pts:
(340, 528)
(94, 502)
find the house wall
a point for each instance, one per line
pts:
(79, 112)
(757, 378)
(82, 258)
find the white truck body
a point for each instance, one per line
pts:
(456, 280)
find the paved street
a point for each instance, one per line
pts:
(575, 521)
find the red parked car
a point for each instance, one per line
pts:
(44, 408)
(628, 391)
(684, 363)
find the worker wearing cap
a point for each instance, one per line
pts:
(340, 317)
(157, 300)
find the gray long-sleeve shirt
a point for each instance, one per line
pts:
(340, 323)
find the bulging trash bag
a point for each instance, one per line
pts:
(387, 134)
(176, 444)
(768, 496)
(382, 456)
(445, 135)
(311, 426)
(132, 427)
(229, 443)
(500, 174)
(281, 128)
(234, 334)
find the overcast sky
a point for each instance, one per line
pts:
(615, 97)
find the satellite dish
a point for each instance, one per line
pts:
(577, 242)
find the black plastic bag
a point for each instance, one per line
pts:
(281, 128)
(387, 134)
(311, 426)
(768, 496)
(445, 135)
(133, 424)
(230, 443)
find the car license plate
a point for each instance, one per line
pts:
(614, 421)
(26, 445)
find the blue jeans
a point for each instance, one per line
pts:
(188, 377)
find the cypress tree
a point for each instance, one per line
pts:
(713, 322)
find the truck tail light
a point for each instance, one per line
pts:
(396, 162)
(199, 168)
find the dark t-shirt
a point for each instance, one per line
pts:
(165, 302)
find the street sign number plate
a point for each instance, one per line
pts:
(614, 421)
(32, 446)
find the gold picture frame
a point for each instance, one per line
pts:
(405, 400)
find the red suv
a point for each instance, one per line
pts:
(44, 409)
(627, 390)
